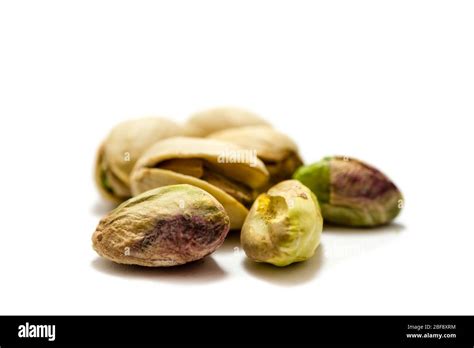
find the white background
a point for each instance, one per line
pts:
(390, 82)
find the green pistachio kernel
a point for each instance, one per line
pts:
(166, 226)
(283, 226)
(350, 192)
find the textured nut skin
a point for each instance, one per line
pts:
(351, 192)
(121, 149)
(166, 226)
(209, 121)
(283, 226)
(277, 151)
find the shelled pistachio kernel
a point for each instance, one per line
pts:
(351, 192)
(283, 226)
(167, 226)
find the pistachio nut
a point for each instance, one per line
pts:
(166, 226)
(121, 149)
(276, 150)
(351, 192)
(225, 170)
(283, 226)
(209, 121)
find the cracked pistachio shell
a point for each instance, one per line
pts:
(223, 169)
(350, 192)
(277, 151)
(283, 226)
(166, 226)
(119, 152)
(209, 121)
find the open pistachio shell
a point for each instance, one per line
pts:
(283, 226)
(276, 150)
(209, 121)
(225, 170)
(119, 152)
(166, 226)
(351, 192)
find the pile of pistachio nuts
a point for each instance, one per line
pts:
(180, 189)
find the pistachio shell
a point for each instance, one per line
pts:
(283, 226)
(120, 150)
(205, 164)
(109, 186)
(276, 150)
(166, 226)
(351, 192)
(209, 121)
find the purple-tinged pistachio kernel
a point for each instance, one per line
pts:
(350, 192)
(167, 226)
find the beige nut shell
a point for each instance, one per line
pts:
(212, 120)
(146, 174)
(269, 143)
(123, 146)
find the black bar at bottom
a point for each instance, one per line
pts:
(261, 330)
